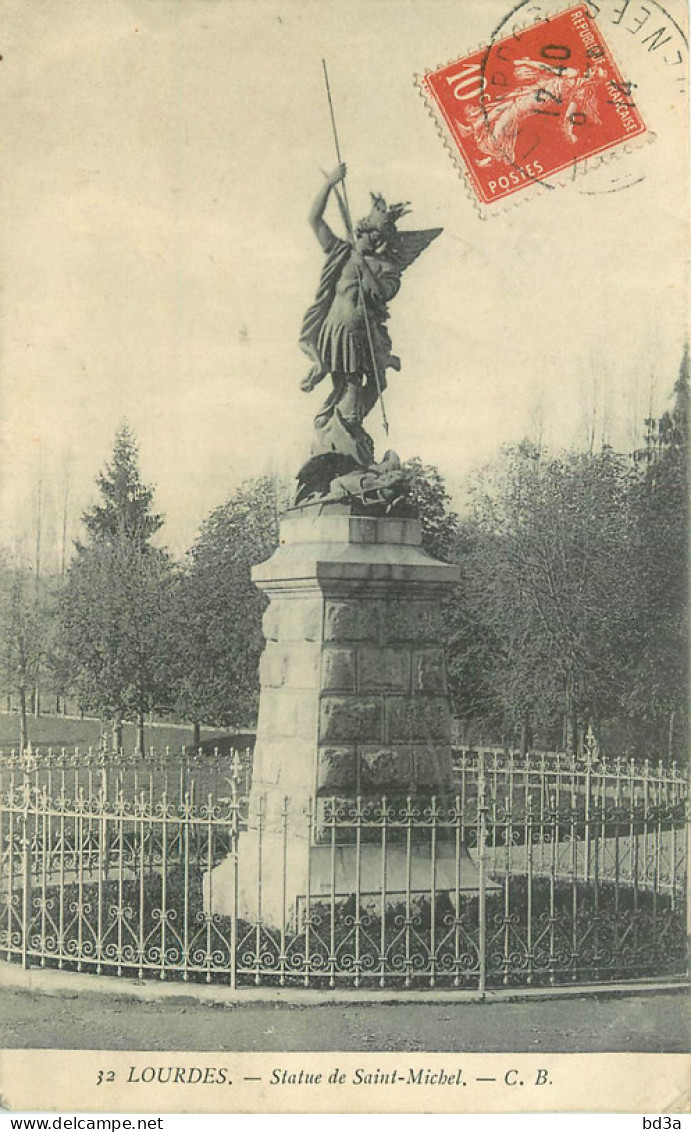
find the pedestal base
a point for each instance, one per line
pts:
(294, 874)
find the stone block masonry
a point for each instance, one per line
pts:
(353, 662)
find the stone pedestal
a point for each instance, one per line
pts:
(353, 704)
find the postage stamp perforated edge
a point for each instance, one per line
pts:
(538, 186)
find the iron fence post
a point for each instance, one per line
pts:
(688, 873)
(26, 875)
(235, 859)
(482, 878)
(586, 820)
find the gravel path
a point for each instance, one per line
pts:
(656, 1023)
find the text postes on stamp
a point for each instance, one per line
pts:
(533, 104)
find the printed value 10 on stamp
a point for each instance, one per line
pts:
(530, 106)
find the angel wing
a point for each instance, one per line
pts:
(404, 248)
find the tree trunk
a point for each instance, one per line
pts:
(526, 735)
(573, 731)
(196, 735)
(670, 736)
(570, 717)
(37, 701)
(117, 736)
(23, 727)
(570, 721)
(141, 736)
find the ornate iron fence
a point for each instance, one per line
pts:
(540, 870)
(91, 771)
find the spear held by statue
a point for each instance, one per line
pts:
(344, 332)
(345, 213)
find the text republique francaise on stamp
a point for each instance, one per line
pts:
(532, 105)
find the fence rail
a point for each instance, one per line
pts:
(543, 775)
(537, 870)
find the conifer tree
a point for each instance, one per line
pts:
(115, 606)
(126, 502)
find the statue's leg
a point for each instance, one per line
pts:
(351, 404)
(338, 427)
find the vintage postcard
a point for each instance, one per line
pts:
(343, 575)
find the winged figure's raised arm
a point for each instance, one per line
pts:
(316, 216)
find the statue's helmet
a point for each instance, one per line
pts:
(382, 218)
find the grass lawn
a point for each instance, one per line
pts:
(60, 731)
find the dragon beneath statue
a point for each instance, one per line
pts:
(379, 489)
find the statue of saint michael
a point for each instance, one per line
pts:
(344, 331)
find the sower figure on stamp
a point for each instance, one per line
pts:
(561, 92)
(344, 331)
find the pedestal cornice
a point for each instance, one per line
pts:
(328, 549)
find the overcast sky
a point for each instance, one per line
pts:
(158, 162)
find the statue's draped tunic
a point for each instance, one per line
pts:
(335, 337)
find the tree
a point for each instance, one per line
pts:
(470, 641)
(548, 583)
(658, 644)
(218, 609)
(23, 625)
(430, 498)
(114, 614)
(114, 611)
(465, 639)
(125, 511)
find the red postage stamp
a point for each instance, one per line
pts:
(534, 104)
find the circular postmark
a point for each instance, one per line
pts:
(652, 48)
(549, 98)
